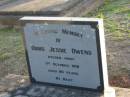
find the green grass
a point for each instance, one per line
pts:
(11, 52)
(116, 15)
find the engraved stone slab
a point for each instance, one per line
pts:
(64, 51)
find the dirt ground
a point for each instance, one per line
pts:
(118, 54)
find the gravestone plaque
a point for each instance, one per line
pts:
(64, 51)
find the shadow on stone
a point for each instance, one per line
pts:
(38, 90)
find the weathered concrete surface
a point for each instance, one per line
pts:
(19, 86)
(84, 7)
(3, 2)
(28, 5)
(11, 12)
(32, 6)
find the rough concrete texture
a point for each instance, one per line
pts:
(11, 12)
(28, 5)
(19, 86)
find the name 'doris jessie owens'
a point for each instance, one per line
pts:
(62, 50)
